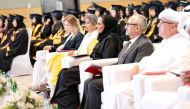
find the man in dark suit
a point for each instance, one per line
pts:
(138, 47)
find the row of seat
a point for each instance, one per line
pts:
(168, 87)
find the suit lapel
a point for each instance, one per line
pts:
(132, 46)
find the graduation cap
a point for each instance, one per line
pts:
(47, 16)
(145, 6)
(82, 13)
(137, 8)
(183, 3)
(157, 6)
(57, 14)
(91, 10)
(144, 9)
(19, 17)
(10, 17)
(101, 9)
(116, 7)
(64, 13)
(31, 16)
(73, 12)
(94, 5)
(3, 17)
(130, 10)
(173, 5)
(35, 15)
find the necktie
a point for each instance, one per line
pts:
(122, 54)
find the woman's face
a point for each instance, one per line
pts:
(63, 19)
(6, 23)
(127, 12)
(100, 25)
(121, 13)
(152, 12)
(113, 13)
(14, 23)
(89, 26)
(97, 13)
(68, 27)
(1, 23)
(33, 20)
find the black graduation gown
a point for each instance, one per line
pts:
(17, 45)
(152, 31)
(8, 37)
(36, 32)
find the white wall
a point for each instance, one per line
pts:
(10, 4)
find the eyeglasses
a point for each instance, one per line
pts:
(127, 24)
(161, 21)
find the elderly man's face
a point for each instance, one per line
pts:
(166, 28)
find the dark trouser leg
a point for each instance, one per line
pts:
(93, 99)
(66, 92)
(85, 92)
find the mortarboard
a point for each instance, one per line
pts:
(94, 5)
(31, 16)
(101, 9)
(73, 12)
(171, 4)
(47, 16)
(91, 10)
(145, 6)
(82, 13)
(10, 17)
(116, 7)
(144, 9)
(57, 14)
(19, 17)
(137, 8)
(3, 17)
(157, 6)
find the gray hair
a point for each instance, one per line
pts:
(140, 20)
(92, 18)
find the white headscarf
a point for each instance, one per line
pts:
(180, 17)
(184, 25)
(170, 15)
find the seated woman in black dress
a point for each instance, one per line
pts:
(66, 93)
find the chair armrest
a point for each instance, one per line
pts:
(116, 74)
(41, 55)
(184, 93)
(100, 62)
(139, 89)
(70, 61)
(85, 75)
(168, 82)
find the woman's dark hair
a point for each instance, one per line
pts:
(110, 26)
(20, 24)
(38, 19)
(130, 9)
(2, 17)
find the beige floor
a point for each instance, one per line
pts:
(23, 81)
